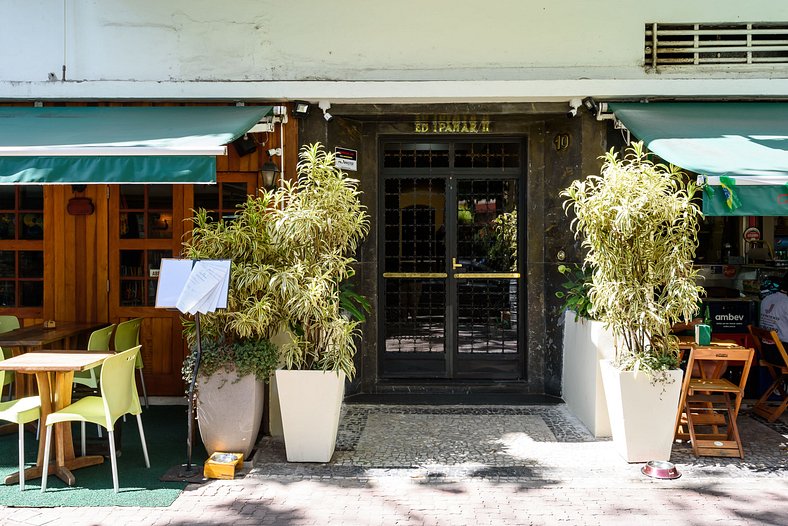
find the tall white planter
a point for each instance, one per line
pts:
(585, 343)
(310, 403)
(229, 412)
(642, 414)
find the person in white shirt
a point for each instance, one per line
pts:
(774, 317)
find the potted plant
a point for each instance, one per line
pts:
(320, 223)
(237, 356)
(586, 342)
(638, 223)
(230, 391)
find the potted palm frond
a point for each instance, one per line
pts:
(638, 222)
(319, 225)
(237, 356)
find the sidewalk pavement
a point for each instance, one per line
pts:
(457, 465)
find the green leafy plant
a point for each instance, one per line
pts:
(257, 357)
(318, 229)
(292, 255)
(576, 288)
(504, 247)
(639, 225)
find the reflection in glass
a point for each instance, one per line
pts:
(487, 316)
(233, 194)
(32, 226)
(132, 293)
(31, 264)
(154, 260)
(160, 196)
(31, 293)
(7, 226)
(7, 264)
(132, 225)
(132, 196)
(487, 225)
(7, 294)
(7, 197)
(131, 263)
(396, 155)
(31, 197)
(160, 225)
(415, 315)
(206, 196)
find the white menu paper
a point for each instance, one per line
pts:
(193, 286)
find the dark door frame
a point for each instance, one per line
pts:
(452, 175)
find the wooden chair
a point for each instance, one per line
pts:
(713, 403)
(777, 365)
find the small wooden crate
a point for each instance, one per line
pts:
(223, 465)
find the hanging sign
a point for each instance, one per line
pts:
(346, 159)
(752, 234)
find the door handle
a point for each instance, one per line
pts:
(454, 264)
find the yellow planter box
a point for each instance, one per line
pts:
(223, 465)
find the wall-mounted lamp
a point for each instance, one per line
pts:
(325, 105)
(274, 152)
(268, 172)
(301, 109)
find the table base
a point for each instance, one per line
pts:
(62, 472)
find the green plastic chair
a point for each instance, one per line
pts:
(127, 336)
(118, 397)
(20, 412)
(98, 341)
(7, 323)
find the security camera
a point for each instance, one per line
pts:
(325, 105)
(574, 106)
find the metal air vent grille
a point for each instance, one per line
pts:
(699, 45)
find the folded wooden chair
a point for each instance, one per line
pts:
(712, 404)
(777, 365)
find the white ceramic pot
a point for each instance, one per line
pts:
(310, 403)
(229, 412)
(642, 414)
(585, 343)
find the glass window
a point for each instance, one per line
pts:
(21, 246)
(139, 274)
(222, 199)
(146, 211)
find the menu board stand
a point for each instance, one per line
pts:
(193, 287)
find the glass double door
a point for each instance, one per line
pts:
(451, 270)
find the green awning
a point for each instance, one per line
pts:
(741, 148)
(173, 144)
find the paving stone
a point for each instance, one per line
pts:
(472, 465)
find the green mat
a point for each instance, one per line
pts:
(165, 431)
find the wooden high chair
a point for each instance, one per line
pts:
(711, 404)
(777, 365)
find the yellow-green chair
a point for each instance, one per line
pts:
(7, 323)
(98, 341)
(127, 336)
(20, 412)
(118, 397)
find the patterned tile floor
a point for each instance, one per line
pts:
(503, 442)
